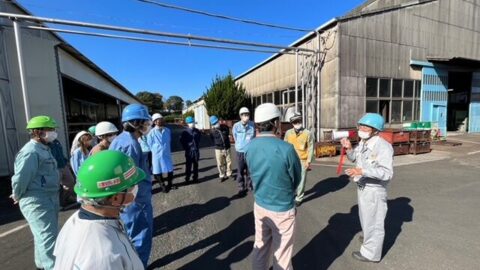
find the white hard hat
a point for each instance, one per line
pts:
(156, 116)
(266, 112)
(243, 110)
(295, 116)
(105, 127)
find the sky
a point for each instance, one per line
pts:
(177, 70)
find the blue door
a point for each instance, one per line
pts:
(434, 97)
(474, 112)
(439, 115)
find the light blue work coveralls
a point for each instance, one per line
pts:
(159, 140)
(138, 216)
(77, 159)
(375, 157)
(35, 185)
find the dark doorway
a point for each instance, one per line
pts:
(459, 89)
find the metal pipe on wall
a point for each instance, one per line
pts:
(21, 68)
(319, 74)
(296, 81)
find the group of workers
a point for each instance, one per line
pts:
(113, 182)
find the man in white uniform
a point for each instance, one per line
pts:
(374, 169)
(94, 237)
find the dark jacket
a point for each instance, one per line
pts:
(220, 137)
(190, 140)
(57, 152)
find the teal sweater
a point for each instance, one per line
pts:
(275, 170)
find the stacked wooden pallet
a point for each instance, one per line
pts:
(420, 141)
(399, 139)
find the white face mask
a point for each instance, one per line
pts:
(363, 134)
(111, 138)
(297, 126)
(191, 125)
(50, 136)
(217, 125)
(134, 192)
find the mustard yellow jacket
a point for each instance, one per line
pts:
(303, 143)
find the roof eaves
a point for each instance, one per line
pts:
(77, 54)
(355, 15)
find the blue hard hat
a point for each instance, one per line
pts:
(135, 112)
(189, 120)
(373, 120)
(213, 119)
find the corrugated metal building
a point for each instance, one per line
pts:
(408, 60)
(60, 82)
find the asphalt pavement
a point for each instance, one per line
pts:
(431, 222)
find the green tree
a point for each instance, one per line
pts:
(224, 98)
(188, 103)
(174, 103)
(154, 101)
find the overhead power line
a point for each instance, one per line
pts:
(224, 17)
(150, 32)
(166, 42)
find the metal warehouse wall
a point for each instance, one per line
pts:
(383, 44)
(278, 74)
(42, 81)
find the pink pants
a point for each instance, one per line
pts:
(274, 233)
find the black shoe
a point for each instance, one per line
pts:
(358, 256)
(242, 193)
(222, 179)
(298, 203)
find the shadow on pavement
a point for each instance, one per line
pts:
(399, 211)
(219, 243)
(326, 186)
(331, 242)
(184, 215)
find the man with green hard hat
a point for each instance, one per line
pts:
(35, 187)
(94, 237)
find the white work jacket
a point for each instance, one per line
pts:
(94, 244)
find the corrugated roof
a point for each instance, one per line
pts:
(78, 55)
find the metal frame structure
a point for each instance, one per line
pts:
(309, 66)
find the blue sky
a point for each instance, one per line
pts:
(184, 71)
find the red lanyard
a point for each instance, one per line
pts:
(341, 162)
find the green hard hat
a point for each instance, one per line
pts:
(92, 129)
(107, 173)
(41, 121)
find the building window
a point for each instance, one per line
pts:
(372, 88)
(396, 100)
(278, 98)
(258, 100)
(269, 97)
(291, 96)
(385, 88)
